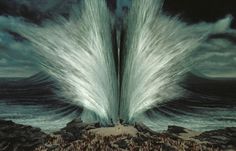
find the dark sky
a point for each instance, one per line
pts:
(190, 10)
(198, 10)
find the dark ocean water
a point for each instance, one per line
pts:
(33, 101)
(208, 104)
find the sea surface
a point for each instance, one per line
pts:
(209, 103)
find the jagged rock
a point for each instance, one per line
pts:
(19, 137)
(122, 144)
(75, 129)
(224, 137)
(79, 124)
(81, 136)
(138, 140)
(175, 129)
(143, 128)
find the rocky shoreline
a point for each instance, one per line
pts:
(81, 136)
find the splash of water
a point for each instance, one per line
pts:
(77, 52)
(157, 48)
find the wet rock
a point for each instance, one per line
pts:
(68, 136)
(138, 140)
(175, 130)
(223, 137)
(144, 129)
(122, 144)
(76, 136)
(51, 147)
(166, 147)
(19, 137)
(75, 129)
(79, 124)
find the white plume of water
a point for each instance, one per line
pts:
(156, 51)
(78, 53)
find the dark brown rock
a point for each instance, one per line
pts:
(19, 137)
(175, 130)
(138, 140)
(75, 129)
(122, 144)
(223, 137)
(76, 136)
(144, 129)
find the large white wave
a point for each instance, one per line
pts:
(78, 53)
(157, 50)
